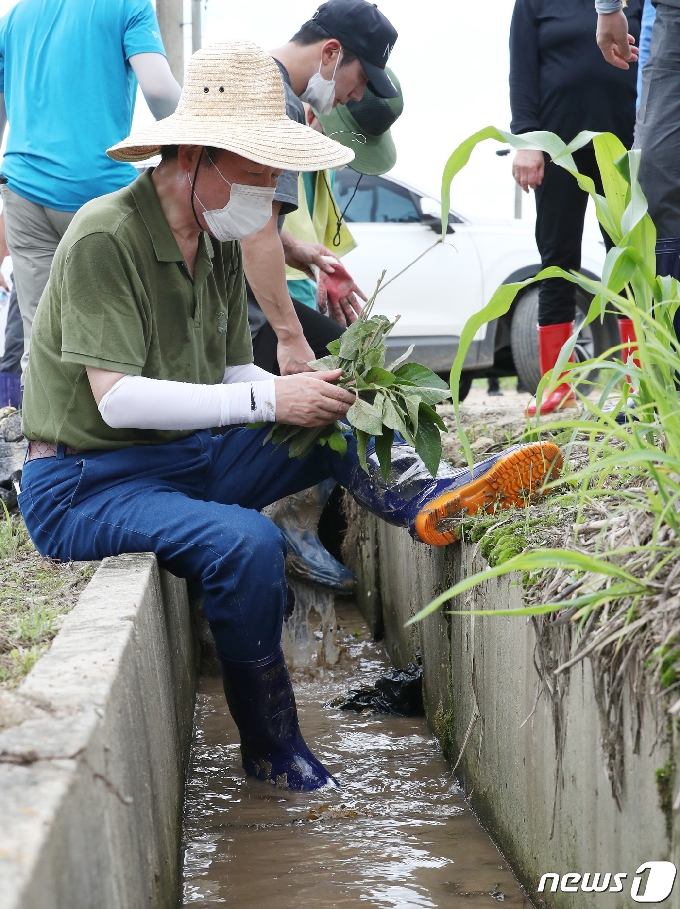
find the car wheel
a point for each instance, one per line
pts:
(592, 341)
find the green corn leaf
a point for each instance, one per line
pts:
(428, 444)
(531, 561)
(628, 165)
(608, 149)
(619, 267)
(542, 141)
(598, 598)
(365, 417)
(383, 449)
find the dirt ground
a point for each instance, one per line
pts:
(491, 422)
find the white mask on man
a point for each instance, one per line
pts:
(320, 92)
(248, 210)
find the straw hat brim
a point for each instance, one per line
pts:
(274, 143)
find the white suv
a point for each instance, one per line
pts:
(394, 223)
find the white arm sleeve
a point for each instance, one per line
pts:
(247, 373)
(160, 88)
(136, 402)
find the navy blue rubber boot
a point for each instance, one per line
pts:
(432, 508)
(261, 701)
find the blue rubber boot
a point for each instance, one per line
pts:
(433, 508)
(261, 701)
(297, 516)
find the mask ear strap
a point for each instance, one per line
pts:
(337, 63)
(193, 190)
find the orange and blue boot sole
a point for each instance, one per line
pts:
(514, 478)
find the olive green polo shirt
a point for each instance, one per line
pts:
(120, 297)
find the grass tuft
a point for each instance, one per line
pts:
(35, 597)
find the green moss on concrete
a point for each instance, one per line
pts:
(444, 728)
(664, 784)
(508, 533)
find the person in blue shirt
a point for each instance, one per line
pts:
(69, 71)
(648, 17)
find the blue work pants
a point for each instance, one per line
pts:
(195, 503)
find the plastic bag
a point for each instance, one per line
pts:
(399, 692)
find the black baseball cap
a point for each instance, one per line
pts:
(360, 26)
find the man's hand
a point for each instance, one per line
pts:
(293, 355)
(309, 399)
(528, 168)
(301, 255)
(617, 46)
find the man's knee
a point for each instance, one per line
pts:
(257, 551)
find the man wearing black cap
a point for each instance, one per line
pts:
(343, 48)
(330, 61)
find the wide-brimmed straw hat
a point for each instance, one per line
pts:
(233, 98)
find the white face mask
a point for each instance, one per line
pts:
(248, 210)
(320, 92)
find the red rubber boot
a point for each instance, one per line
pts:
(627, 335)
(550, 341)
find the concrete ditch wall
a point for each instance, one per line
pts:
(92, 783)
(480, 686)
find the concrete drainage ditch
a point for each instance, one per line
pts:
(92, 780)
(548, 804)
(91, 784)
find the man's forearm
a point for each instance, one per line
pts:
(604, 7)
(265, 269)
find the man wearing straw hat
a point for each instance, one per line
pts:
(141, 344)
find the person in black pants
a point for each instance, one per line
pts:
(560, 82)
(318, 329)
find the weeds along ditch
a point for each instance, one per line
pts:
(600, 557)
(35, 597)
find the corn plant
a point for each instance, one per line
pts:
(648, 445)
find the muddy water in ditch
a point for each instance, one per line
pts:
(396, 835)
